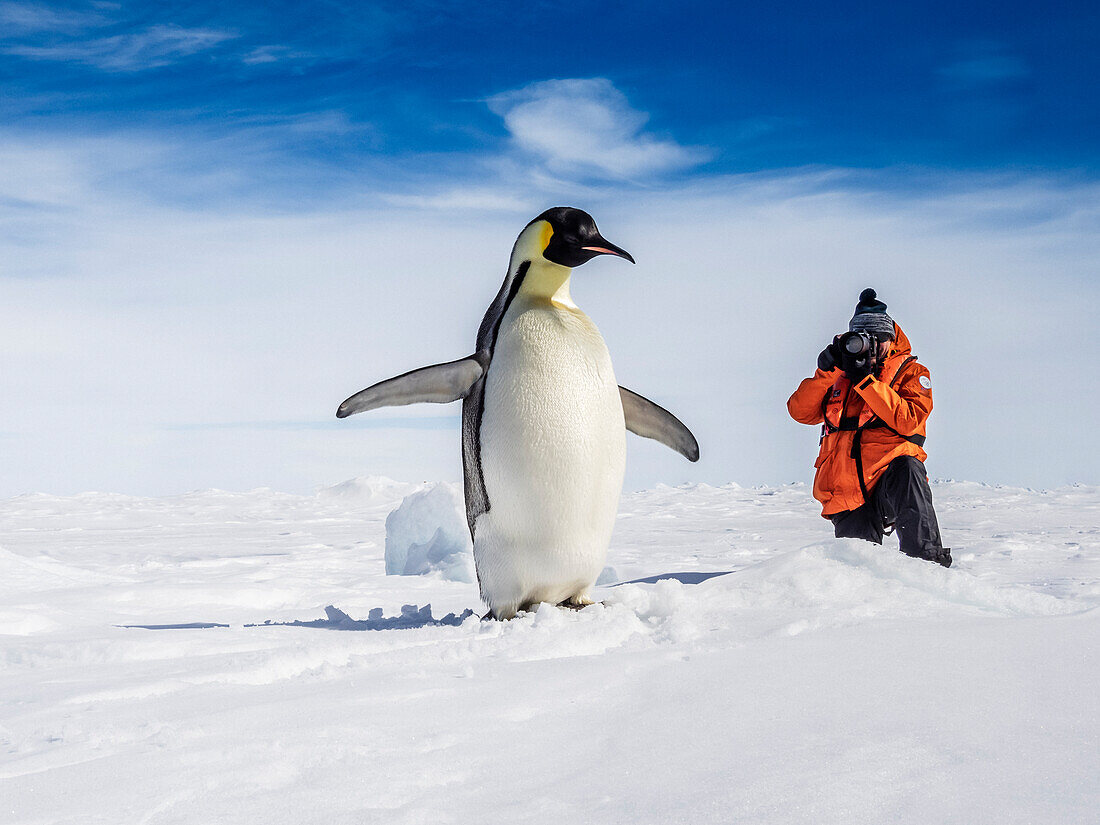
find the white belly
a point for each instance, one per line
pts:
(553, 447)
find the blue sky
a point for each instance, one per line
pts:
(761, 86)
(218, 220)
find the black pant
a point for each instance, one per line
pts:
(902, 498)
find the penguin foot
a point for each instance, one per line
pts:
(572, 603)
(508, 613)
(571, 606)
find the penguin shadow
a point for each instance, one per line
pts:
(690, 577)
(410, 618)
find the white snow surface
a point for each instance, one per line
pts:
(818, 681)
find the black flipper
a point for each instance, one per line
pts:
(437, 384)
(648, 420)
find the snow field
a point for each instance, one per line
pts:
(817, 681)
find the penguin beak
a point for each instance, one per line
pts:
(607, 248)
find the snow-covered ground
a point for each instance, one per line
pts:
(820, 681)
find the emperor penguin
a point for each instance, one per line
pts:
(543, 424)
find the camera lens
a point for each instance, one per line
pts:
(856, 343)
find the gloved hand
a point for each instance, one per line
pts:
(829, 359)
(858, 373)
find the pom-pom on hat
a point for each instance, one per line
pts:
(871, 317)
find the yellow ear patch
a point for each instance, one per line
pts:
(546, 235)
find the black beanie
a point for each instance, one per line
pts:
(871, 317)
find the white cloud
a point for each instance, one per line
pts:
(131, 332)
(588, 127)
(155, 46)
(28, 18)
(483, 199)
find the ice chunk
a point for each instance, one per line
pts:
(428, 532)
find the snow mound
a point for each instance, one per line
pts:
(41, 573)
(663, 609)
(368, 490)
(428, 532)
(852, 579)
(841, 583)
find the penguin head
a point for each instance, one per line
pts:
(569, 237)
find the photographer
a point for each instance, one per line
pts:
(872, 400)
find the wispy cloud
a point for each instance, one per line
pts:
(984, 64)
(588, 127)
(478, 198)
(273, 54)
(150, 48)
(32, 18)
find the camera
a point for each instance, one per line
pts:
(857, 344)
(858, 353)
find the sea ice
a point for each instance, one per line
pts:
(748, 668)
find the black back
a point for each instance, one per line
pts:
(473, 406)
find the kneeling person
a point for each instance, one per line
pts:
(872, 399)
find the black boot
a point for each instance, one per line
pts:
(940, 555)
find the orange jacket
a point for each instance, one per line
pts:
(901, 397)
